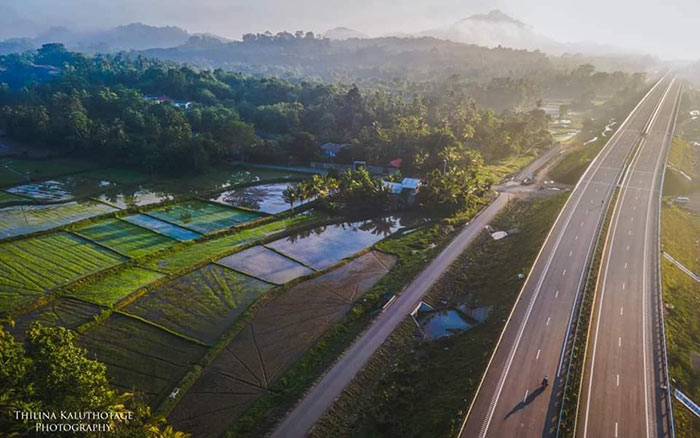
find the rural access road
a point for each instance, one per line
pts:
(298, 422)
(622, 394)
(510, 401)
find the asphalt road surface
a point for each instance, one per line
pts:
(622, 390)
(323, 394)
(510, 401)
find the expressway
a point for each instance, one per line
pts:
(510, 401)
(624, 372)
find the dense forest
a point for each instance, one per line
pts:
(96, 106)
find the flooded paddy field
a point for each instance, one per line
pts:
(202, 217)
(24, 219)
(139, 355)
(160, 227)
(274, 339)
(266, 198)
(201, 304)
(108, 290)
(32, 266)
(327, 245)
(124, 237)
(265, 264)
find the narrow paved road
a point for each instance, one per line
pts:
(510, 401)
(622, 394)
(324, 393)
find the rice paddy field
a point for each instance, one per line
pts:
(31, 267)
(139, 197)
(18, 170)
(139, 355)
(265, 264)
(7, 198)
(108, 290)
(64, 312)
(202, 217)
(125, 238)
(327, 245)
(265, 348)
(61, 189)
(24, 219)
(266, 198)
(215, 248)
(164, 228)
(201, 304)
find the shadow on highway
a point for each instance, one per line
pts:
(525, 402)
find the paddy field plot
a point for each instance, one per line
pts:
(327, 245)
(265, 264)
(24, 219)
(226, 176)
(19, 170)
(275, 338)
(201, 304)
(108, 290)
(7, 198)
(164, 228)
(140, 197)
(63, 312)
(140, 356)
(125, 238)
(30, 267)
(61, 189)
(266, 198)
(220, 246)
(202, 217)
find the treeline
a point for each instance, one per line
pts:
(96, 107)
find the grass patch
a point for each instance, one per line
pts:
(110, 289)
(9, 198)
(418, 387)
(683, 157)
(32, 266)
(572, 166)
(682, 318)
(18, 170)
(125, 238)
(506, 166)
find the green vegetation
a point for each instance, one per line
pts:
(682, 157)
(202, 217)
(49, 373)
(125, 238)
(19, 170)
(572, 166)
(35, 265)
(201, 304)
(419, 387)
(9, 198)
(679, 228)
(110, 289)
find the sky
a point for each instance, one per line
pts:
(667, 29)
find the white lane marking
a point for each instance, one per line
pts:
(625, 265)
(548, 318)
(623, 285)
(581, 224)
(619, 341)
(629, 232)
(634, 207)
(632, 219)
(616, 429)
(538, 354)
(576, 238)
(525, 398)
(556, 294)
(618, 380)
(570, 252)
(628, 247)
(622, 309)
(563, 273)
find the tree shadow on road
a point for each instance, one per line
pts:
(525, 402)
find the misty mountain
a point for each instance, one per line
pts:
(134, 36)
(343, 33)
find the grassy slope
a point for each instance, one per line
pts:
(683, 320)
(416, 387)
(112, 288)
